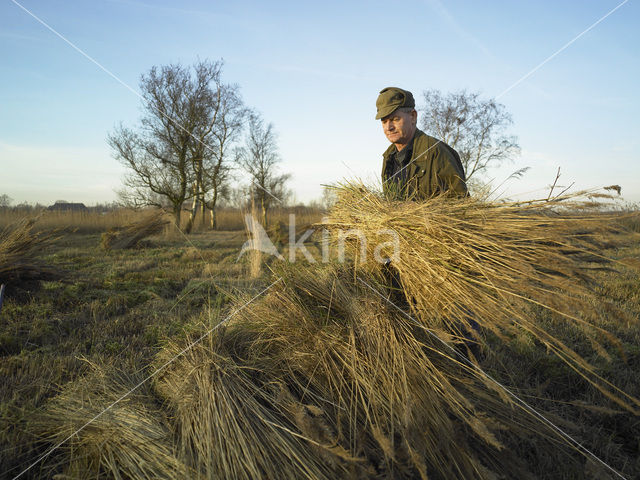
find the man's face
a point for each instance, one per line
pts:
(400, 126)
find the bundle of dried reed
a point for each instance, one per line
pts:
(320, 378)
(106, 436)
(131, 234)
(471, 266)
(230, 418)
(19, 250)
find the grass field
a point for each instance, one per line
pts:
(117, 309)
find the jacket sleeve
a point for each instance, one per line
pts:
(447, 175)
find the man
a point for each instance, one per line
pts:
(416, 166)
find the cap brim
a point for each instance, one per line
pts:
(383, 112)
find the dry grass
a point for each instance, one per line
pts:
(233, 219)
(129, 440)
(82, 222)
(363, 383)
(20, 247)
(229, 219)
(130, 235)
(321, 379)
(470, 267)
(316, 379)
(227, 420)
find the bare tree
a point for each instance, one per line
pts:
(208, 78)
(213, 140)
(5, 200)
(239, 197)
(475, 127)
(229, 117)
(159, 174)
(259, 158)
(167, 154)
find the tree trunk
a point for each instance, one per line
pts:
(194, 209)
(192, 216)
(214, 220)
(203, 210)
(177, 210)
(264, 213)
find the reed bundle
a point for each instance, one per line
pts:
(320, 378)
(468, 267)
(131, 234)
(20, 247)
(230, 418)
(130, 439)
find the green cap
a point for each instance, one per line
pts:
(392, 98)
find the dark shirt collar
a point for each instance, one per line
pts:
(408, 146)
(403, 156)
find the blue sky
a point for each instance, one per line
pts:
(314, 69)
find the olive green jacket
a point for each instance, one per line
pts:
(435, 168)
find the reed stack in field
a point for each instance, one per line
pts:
(133, 233)
(128, 439)
(317, 379)
(20, 249)
(469, 267)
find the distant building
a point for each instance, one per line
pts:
(65, 206)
